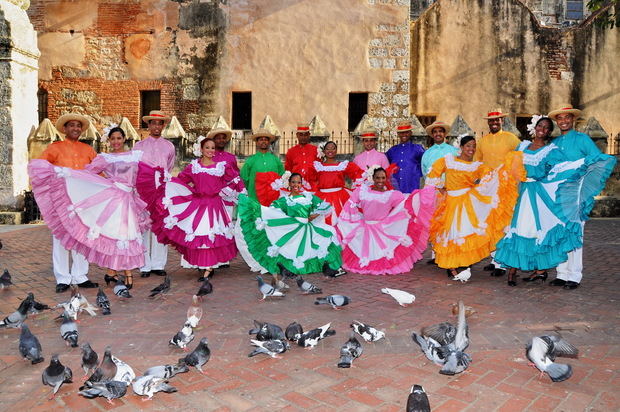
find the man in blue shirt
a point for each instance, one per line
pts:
(408, 158)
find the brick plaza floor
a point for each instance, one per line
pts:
(498, 379)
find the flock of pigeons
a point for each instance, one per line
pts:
(444, 343)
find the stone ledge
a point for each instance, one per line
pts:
(606, 206)
(11, 218)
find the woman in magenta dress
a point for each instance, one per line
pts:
(384, 231)
(327, 178)
(188, 211)
(96, 211)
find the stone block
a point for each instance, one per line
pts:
(567, 76)
(388, 87)
(380, 123)
(400, 76)
(400, 99)
(389, 63)
(376, 43)
(388, 111)
(374, 62)
(377, 98)
(392, 40)
(378, 51)
(191, 92)
(398, 51)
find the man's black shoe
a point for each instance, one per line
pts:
(557, 282)
(571, 285)
(489, 267)
(88, 285)
(498, 272)
(158, 272)
(61, 287)
(145, 274)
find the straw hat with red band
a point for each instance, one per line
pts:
(368, 134)
(214, 132)
(437, 123)
(264, 133)
(495, 114)
(565, 109)
(66, 118)
(404, 127)
(156, 115)
(303, 128)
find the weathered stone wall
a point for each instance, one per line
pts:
(471, 56)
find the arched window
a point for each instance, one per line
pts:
(42, 98)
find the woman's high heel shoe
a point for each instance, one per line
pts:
(129, 281)
(536, 276)
(109, 279)
(511, 279)
(206, 274)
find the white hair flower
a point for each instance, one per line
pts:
(197, 149)
(532, 126)
(368, 173)
(320, 151)
(106, 132)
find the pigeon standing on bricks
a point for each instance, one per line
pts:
(542, 351)
(103, 302)
(5, 279)
(183, 337)
(149, 385)
(15, 319)
(403, 298)
(311, 338)
(106, 370)
(166, 371)
(205, 288)
(367, 332)
(266, 331)
(89, 358)
(109, 390)
(194, 312)
(269, 347)
(266, 289)
(352, 349)
(69, 330)
(29, 346)
(307, 287)
(293, 331)
(161, 289)
(417, 400)
(120, 289)
(124, 372)
(72, 306)
(337, 301)
(199, 357)
(56, 374)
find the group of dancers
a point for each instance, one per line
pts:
(524, 203)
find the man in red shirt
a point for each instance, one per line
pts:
(299, 158)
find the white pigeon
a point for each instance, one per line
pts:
(72, 306)
(124, 372)
(149, 385)
(463, 276)
(86, 306)
(194, 312)
(367, 332)
(403, 298)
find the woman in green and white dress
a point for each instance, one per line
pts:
(291, 232)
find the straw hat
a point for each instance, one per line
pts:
(368, 134)
(213, 132)
(404, 127)
(437, 123)
(302, 128)
(62, 120)
(156, 115)
(495, 114)
(567, 108)
(264, 133)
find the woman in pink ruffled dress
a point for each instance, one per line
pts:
(384, 231)
(96, 211)
(188, 211)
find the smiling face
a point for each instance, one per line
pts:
(73, 130)
(220, 141)
(565, 121)
(438, 134)
(469, 149)
(543, 129)
(294, 184)
(495, 125)
(207, 148)
(330, 151)
(369, 144)
(404, 136)
(117, 142)
(262, 143)
(379, 178)
(155, 127)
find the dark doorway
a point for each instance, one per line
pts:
(42, 98)
(522, 122)
(358, 107)
(242, 110)
(149, 100)
(426, 119)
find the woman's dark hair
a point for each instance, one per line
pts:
(293, 175)
(548, 137)
(208, 139)
(379, 169)
(466, 140)
(116, 129)
(328, 142)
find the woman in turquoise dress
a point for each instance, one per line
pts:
(545, 225)
(291, 233)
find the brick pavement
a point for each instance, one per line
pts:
(498, 379)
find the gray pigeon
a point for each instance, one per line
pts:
(352, 349)
(431, 348)
(266, 331)
(149, 385)
(542, 351)
(89, 358)
(183, 337)
(161, 289)
(456, 362)
(120, 289)
(56, 374)
(29, 346)
(311, 338)
(166, 371)
(124, 372)
(337, 301)
(417, 400)
(109, 390)
(307, 287)
(444, 332)
(35, 306)
(106, 370)
(68, 330)
(103, 302)
(293, 331)
(367, 332)
(199, 356)
(269, 347)
(5, 279)
(15, 319)
(72, 306)
(205, 288)
(266, 289)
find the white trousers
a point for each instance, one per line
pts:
(65, 271)
(156, 254)
(571, 270)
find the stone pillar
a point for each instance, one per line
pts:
(19, 57)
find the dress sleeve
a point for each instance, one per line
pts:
(479, 146)
(588, 147)
(419, 153)
(97, 166)
(434, 176)
(320, 207)
(186, 175)
(288, 162)
(234, 185)
(281, 204)
(384, 163)
(354, 172)
(246, 171)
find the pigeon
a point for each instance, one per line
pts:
(444, 332)
(463, 276)
(431, 348)
(106, 370)
(56, 374)
(367, 332)
(109, 390)
(266, 331)
(86, 306)
(194, 312)
(352, 349)
(15, 319)
(72, 306)
(311, 338)
(162, 288)
(5, 279)
(149, 385)
(337, 301)
(279, 284)
(287, 274)
(456, 362)
(269, 347)
(468, 310)
(403, 298)
(293, 331)
(205, 288)
(120, 289)
(199, 356)
(36, 307)
(417, 400)
(29, 346)
(166, 371)
(307, 287)
(183, 337)
(103, 302)
(68, 330)
(542, 351)
(89, 359)
(124, 372)
(266, 289)
(331, 273)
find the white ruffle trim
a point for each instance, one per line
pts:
(452, 163)
(320, 167)
(218, 170)
(133, 156)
